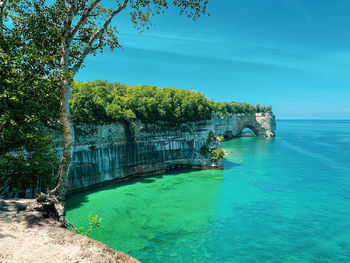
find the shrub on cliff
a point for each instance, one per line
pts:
(209, 149)
(217, 155)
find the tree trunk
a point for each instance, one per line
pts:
(68, 131)
(2, 7)
(53, 203)
(68, 134)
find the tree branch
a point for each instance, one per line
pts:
(66, 41)
(97, 34)
(83, 18)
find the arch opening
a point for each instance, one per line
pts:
(247, 132)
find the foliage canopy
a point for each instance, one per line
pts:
(29, 105)
(100, 101)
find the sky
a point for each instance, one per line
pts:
(291, 54)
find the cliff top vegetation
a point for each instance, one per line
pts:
(100, 102)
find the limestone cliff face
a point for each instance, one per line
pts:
(115, 151)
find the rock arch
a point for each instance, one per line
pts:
(261, 124)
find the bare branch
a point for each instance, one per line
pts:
(98, 34)
(83, 18)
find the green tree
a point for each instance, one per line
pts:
(29, 104)
(228, 109)
(100, 102)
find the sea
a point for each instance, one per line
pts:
(283, 199)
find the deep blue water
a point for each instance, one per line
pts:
(285, 199)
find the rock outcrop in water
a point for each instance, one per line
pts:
(114, 151)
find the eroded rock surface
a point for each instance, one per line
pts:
(115, 151)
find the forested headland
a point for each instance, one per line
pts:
(43, 45)
(104, 102)
(94, 102)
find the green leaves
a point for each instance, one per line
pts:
(228, 109)
(29, 111)
(29, 104)
(217, 154)
(209, 149)
(100, 101)
(142, 11)
(94, 222)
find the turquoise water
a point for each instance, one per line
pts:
(285, 199)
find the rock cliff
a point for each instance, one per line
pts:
(114, 151)
(109, 152)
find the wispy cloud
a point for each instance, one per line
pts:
(283, 55)
(168, 37)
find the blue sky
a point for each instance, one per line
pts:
(291, 54)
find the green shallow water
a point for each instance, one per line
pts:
(285, 199)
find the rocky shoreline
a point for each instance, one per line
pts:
(26, 236)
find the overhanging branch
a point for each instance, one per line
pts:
(83, 18)
(97, 35)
